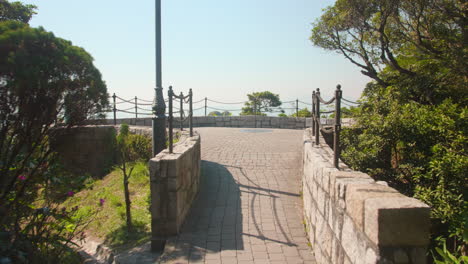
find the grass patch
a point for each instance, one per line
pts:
(108, 215)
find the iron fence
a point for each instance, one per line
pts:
(317, 125)
(182, 99)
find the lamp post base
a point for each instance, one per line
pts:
(159, 134)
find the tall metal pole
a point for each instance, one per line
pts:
(159, 107)
(171, 119)
(336, 134)
(317, 113)
(255, 113)
(191, 111)
(181, 111)
(297, 107)
(115, 110)
(136, 109)
(159, 120)
(205, 104)
(313, 113)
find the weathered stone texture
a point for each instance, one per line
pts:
(352, 219)
(85, 149)
(175, 180)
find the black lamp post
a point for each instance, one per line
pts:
(159, 107)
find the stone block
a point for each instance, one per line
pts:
(397, 221)
(140, 122)
(340, 179)
(349, 238)
(357, 194)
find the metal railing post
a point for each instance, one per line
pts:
(115, 110)
(255, 113)
(313, 113)
(136, 109)
(205, 104)
(336, 134)
(181, 111)
(317, 112)
(190, 112)
(171, 118)
(297, 107)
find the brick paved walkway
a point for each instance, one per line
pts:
(249, 207)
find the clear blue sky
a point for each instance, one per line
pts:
(222, 49)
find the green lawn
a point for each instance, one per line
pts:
(107, 220)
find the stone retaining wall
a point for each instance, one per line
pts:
(353, 219)
(235, 121)
(175, 180)
(85, 149)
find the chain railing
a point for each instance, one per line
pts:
(143, 107)
(317, 125)
(182, 99)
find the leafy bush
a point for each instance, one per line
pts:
(422, 151)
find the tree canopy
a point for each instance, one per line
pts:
(47, 78)
(302, 113)
(16, 11)
(261, 102)
(420, 45)
(411, 124)
(218, 113)
(45, 82)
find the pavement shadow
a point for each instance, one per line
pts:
(214, 224)
(256, 191)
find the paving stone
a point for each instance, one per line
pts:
(248, 208)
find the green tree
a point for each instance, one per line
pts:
(411, 127)
(16, 11)
(218, 113)
(302, 113)
(214, 113)
(421, 44)
(43, 80)
(347, 112)
(261, 102)
(131, 148)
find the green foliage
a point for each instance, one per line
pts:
(422, 151)
(47, 78)
(302, 113)
(412, 125)
(421, 44)
(214, 113)
(346, 112)
(43, 80)
(444, 257)
(16, 11)
(261, 102)
(217, 113)
(282, 115)
(131, 148)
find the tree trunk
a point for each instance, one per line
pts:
(127, 203)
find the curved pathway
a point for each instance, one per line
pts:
(249, 206)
